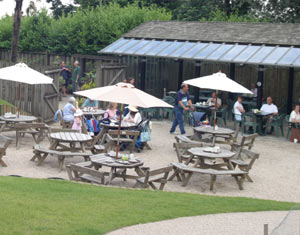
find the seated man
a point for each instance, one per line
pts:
(269, 107)
(90, 104)
(212, 100)
(238, 109)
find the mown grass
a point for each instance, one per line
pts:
(36, 206)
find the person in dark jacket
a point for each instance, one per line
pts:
(66, 74)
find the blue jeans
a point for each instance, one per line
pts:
(178, 120)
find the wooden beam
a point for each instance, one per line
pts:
(143, 73)
(180, 73)
(260, 84)
(290, 90)
(197, 74)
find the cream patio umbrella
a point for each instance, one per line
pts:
(123, 93)
(218, 82)
(21, 73)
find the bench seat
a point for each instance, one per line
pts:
(41, 154)
(182, 169)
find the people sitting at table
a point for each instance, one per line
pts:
(112, 112)
(212, 100)
(295, 115)
(238, 109)
(254, 89)
(269, 107)
(133, 118)
(77, 124)
(69, 110)
(90, 104)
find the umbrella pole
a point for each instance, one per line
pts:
(119, 132)
(19, 100)
(215, 114)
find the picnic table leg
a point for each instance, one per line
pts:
(41, 158)
(214, 140)
(212, 183)
(139, 172)
(82, 147)
(54, 145)
(111, 176)
(61, 160)
(3, 127)
(185, 179)
(2, 163)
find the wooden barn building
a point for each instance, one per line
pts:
(162, 54)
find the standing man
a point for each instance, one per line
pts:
(182, 102)
(76, 76)
(66, 74)
(238, 109)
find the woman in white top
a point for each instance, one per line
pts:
(133, 118)
(238, 109)
(295, 115)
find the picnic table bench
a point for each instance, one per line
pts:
(4, 142)
(42, 153)
(83, 172)
(181, 169)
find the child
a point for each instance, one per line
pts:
(77, 120)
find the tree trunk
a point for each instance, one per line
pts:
(16, 31)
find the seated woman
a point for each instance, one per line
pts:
(69, 110)
(133, 118)
(77, 124)
(90, 104)
(295, 115)
(112, 112)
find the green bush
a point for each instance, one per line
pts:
(84, 32)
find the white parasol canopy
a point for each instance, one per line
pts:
(218, 81)
(123, 93)
(23, 74)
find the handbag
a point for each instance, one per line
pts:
(145, 135)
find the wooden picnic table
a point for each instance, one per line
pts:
(10, 121)
(117, 169)
(97, 113)
(71, 138)
(221, 132)
(111, 126)
(202, 154)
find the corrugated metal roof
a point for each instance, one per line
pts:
(207, 51)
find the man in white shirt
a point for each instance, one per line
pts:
(269, 107)
(212, 100)
(238, 109)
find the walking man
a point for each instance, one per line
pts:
(66, 74)
(76, 76)
(182, 101)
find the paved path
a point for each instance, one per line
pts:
(225, 224)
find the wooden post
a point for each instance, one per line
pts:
(143, 73)
(232, 76)
(180, 73)
(290, 90)
(266, 228)
(197, 74)
(260, 85)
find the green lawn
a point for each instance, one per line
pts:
(35, 206)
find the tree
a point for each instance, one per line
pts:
(16, 31)
(285, 11)
(192, 10)
(59, 9)
(31, 9)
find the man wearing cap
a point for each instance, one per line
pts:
(182, 102)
